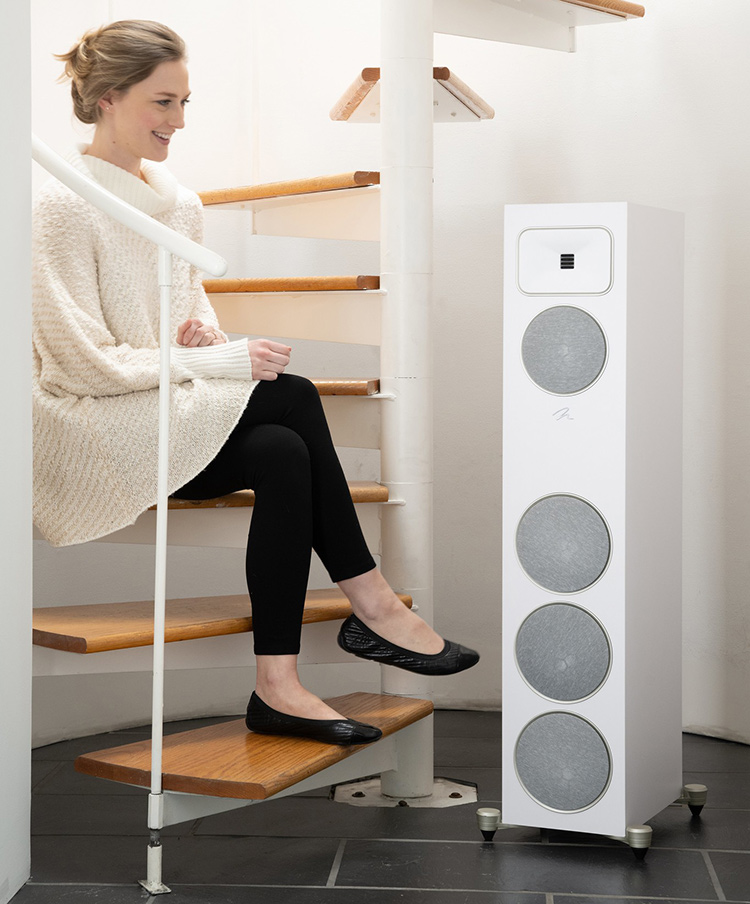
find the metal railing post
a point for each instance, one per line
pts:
(153, 882)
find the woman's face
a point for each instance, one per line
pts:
(141, 122)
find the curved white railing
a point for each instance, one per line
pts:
(169, 242)
(125, 213)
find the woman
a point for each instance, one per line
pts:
(238, 420)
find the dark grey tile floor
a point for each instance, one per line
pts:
(89, 841)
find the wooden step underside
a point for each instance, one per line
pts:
(121, 626)
(337, 182)
(621, 8)
(293, 284)
(361, 490)
(369, 77)
(227, 760)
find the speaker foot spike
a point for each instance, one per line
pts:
(488, 820)
(639, 839)
(695, 796)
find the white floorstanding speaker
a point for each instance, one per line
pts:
(592, 490)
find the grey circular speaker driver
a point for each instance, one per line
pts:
(563, 543)
(563, 652)
(564, 350)
(563, 762)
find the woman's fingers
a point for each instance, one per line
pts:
(194, 333)
(268, 358)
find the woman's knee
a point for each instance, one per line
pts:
(299, 388)
(274, 444)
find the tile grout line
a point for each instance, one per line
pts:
(336, 865)
(713, 876)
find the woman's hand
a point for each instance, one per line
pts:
(194, 333)
(268, 358)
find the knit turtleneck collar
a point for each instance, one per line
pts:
(157, 194)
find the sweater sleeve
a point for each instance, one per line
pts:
(232, 359)
(77, 353)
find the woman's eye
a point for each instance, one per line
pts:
(163, 103)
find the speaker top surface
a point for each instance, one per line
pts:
(563, 543)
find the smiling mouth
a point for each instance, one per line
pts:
(162, 137)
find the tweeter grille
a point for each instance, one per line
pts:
(563, 652)
(563, 543)
(563, 762)
(564, 350)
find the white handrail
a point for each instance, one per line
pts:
(125, 213)
(169, 242)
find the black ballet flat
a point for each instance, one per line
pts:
(356, 638)
(344, 732)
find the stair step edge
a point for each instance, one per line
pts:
(226, 760)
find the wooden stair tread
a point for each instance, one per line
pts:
(347, 387)
(293, 284)
(370, 76)
(613, 7)
(227, 760)
(361, 490)
(337, 182)
(119, 626)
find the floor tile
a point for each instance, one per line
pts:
(41, 770)
(186, 894)
(82, 894)
(700, 754)
(727, 830)
(320, 818)
(489, 781)
(456, 723)
(733, 872)
(553, 869)
(65, 780)
(69, 750)
(726, 790)
(243, 861)
(466, 752)
(95, 814)
(575, 899)
(97, 859)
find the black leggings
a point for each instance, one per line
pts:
(282, 449)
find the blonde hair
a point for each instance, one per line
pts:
(114, 58)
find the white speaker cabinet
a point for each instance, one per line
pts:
(592, 490)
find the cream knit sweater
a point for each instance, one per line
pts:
(96, 358)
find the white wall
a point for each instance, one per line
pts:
(647, 111)
(15, 460)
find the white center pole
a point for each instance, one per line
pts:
(153, 882)
(406, 123)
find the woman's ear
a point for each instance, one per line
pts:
(105, 103)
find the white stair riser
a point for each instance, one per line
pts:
(225, 528)
(352, 317)
(352, 213)
(548, 24)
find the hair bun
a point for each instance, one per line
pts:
(115, 57)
